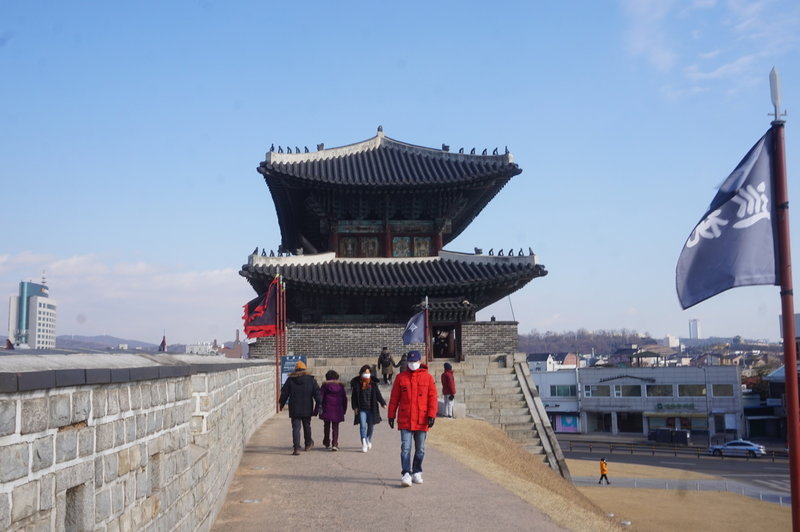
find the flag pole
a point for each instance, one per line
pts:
(284, 329)
(277, 340)
(792, 398)
(427, 332)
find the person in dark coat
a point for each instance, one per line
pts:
(365, 397)
(448, 389)
(332, 409)
(302, 392)
(386, 365)
(403, 364)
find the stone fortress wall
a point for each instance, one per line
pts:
(124, 441)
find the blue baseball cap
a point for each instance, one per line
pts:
(414, 356)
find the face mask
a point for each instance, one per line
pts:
(413, 366)
(365, 375)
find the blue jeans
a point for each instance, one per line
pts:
(405, 450)
(365, 424)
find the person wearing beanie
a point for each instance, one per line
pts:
(332, 409)
(413, 403)
(301, 391)
(448, 389)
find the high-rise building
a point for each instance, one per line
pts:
(32, 317)
(694, 329)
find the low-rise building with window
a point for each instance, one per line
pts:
(616, 400)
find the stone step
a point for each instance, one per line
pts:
(482, 403)
(501, 377)
(500, 401)
(535, 449)
(488, 414)
(522, 425)
(474, 391)
(505, 384)
(471, 379)
(471, 372)
(472, 383)
(500, 371)
(521, 435)
(512, 411)
(493, 419)
(520, 418)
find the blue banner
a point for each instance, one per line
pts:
(415, 329)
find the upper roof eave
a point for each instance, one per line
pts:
(450, 256)
(377, 141)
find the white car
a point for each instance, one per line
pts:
(738, 448)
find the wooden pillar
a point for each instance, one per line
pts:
(333, 241)
(437, 242)
(387, 239)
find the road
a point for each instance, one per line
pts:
(762, 473)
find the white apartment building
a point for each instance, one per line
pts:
(32, 317)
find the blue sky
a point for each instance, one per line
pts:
(130, 134)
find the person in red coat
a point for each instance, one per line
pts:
(448, 389)
(413, 403)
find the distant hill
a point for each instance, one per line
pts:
(71, 341)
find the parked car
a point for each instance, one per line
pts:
(738, 448)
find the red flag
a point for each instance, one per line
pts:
(260, 316)
(162, 348)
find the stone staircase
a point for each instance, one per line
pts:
(493, 393)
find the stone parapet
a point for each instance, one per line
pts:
(330, 340)
(132, 442)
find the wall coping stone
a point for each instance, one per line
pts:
(27, 372)
(356, 325)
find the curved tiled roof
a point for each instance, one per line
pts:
(448, 273)
(385, 162)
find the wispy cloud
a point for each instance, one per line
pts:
(737, 67)
(710, 55)
(709, 42)
(136, 300)
(646, 34)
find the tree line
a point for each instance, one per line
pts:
(581, 341)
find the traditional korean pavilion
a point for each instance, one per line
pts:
(363, 231)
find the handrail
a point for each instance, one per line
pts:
(555, 457)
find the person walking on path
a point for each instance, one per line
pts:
(448, 389)
(403, 364)
(603, 471)
(302, 392)
(413, 402)
(332, 409)
(365, 397)
(386, 365)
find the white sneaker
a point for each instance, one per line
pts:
(364, 446)
(369, 444)
(416, 478)
(406, 480)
